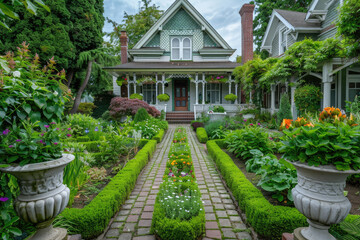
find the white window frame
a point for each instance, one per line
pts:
(181, 48)
(282, 41)
(211, 91)
(356, 80)
(151, 91)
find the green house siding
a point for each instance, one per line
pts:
(209, 42)
(181, 21)
(331, 15)
(329, 34)
(275, 45)
(154, 42)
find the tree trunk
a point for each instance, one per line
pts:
(82, 88)
(70, 77)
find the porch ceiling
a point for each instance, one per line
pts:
(174, 67)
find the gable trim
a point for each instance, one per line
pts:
(193, 13)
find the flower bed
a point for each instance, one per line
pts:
(178, 210)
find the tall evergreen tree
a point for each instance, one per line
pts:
(263, 10)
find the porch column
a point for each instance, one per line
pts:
(293, 107)
(203, 88)
(156, 88)
(197, 88)
(327, 84)
(134, 82)
(128, 88)
(273, 88)
(250, 100)
(163, 83)
(229, 83)
(236, 93)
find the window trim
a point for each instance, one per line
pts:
(181, 48)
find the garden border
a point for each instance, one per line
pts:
(201, 135)
(104, 206)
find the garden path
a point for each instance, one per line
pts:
(133, 221)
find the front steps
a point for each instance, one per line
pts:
(180, 117)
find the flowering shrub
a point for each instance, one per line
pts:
(335, 140)
(26, 145)
(214, 78)
(29, 92)
(121, 80)
(125, 107)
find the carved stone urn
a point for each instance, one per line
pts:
(319, 195)
(42, 195)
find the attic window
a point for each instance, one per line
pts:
(181, 48)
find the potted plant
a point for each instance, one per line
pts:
(122, 79)
(35, 158)
(136, 96)
(216, 113)
(230, 97)
(249, 113)
(163, 97)
(324, 154)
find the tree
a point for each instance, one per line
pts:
(135, 25)
(349, 26)
(264, 8)
(284, 109)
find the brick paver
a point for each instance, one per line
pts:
(133, 221)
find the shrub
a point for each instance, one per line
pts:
(125, 107)
(102, 103)
(240, 142)
(196, 124)
(219, 109)
(106, 116)
(230, 97)
(158, 137)
(163, 97)
(141, 115)
(136, 96)
(151, 127)
(210, 127)
(307, 98)
(284, 109)
(103, 207)
(86, 108)
(201, 135)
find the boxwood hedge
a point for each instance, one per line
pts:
(201, 135)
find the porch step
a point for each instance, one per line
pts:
(179, 117)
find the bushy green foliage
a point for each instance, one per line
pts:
(158, 137)
(86, 108)
(324, 144)
(240, 142)
(150, 127)
(103, 207)
(211, 126)
(163, 97)
(201, 135)
(230, 97)
(218, 109)
(284, 109)
(136, 96)
(353, 107)
(141, 115)
(307, 98)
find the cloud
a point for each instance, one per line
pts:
(223, 15)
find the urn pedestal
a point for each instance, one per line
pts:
(319, 196)
(43, 195)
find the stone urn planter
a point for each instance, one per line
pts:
(216, 116)
(43, 195)
(248, 116)
(319, 196)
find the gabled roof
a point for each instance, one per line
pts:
(170, 12)
(294, 22)
(318, 10)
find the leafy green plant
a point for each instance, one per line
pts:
(307, 98)
(230, 97)
(324, 144)
(86, 108)
(250, 111)
(353, 107)
(284, 109)
(219, 133)
(28, 91)
(163, 97)
(210, 127)
(352, 229)
(218, 109)
(141, 115)
(136, 96)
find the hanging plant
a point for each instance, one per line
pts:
(230, 97)
(136, 96)
(216, 79)
(163, 97)
(146, 80)
(122, 79)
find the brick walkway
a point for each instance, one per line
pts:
(134, 219)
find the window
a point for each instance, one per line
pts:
(149, 93)
(354, 90)
(213, 93)
(282, 41)
(181, 48)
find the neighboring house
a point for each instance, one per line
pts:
(339, 79)
(179, 56)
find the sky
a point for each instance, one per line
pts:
(223, 15)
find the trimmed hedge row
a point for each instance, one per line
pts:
(158, 137)
(91, 220)
(268, 220)
(201, 135)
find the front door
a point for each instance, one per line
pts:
(181, 95)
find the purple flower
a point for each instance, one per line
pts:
(259, 124)
(270, 138)
(69, 129)
(218, 78)
(245, 120)
(42, 134)
(10, 146)
(68, 135)
(57, 129)
(53, 123)
(18, 140)
(6, 131)
(96, 129)
(3, 199)
(41, 141)
(55, 143)
(46, 126)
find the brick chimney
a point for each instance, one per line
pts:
(246, 13)
(124, 47)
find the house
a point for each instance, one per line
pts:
(339, 78)
(183, 56)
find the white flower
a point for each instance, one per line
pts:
(56, 93)
(16, 74)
